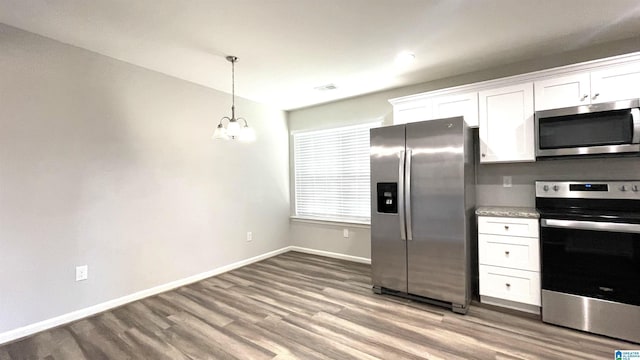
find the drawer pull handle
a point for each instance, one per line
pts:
(506, 253)
(508, 285)
(506, 227)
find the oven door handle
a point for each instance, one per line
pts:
(591, 225)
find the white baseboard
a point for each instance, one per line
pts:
(24, 331)
(31, 329)
(334, 255)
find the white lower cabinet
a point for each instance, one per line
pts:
(510, 284)
(509, 258)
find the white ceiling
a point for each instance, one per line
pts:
(288, 47)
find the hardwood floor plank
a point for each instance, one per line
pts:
(281, 345)
(230, 342)
(4, 355)
(207, 314)
(66, 346)
(150, 346)
(216, 282)
(285, 306)
(197, 346)
(242, 301)
(301, 306)
(232, 278)
(98, 342)
(310, 303)
(386, 304)
(307, 338)
(415, 348)
(229, 310)
(334, 333)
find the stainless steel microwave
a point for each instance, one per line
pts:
(597, 129)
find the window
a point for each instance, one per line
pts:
(332, 180)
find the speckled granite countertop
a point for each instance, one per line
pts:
(506, 211)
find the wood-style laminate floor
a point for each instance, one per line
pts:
(299, 306)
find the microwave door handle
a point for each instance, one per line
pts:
(635, 116)
(401, 166)
(407, 193)
(591, 225)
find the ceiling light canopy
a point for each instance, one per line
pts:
(405, 58)
(326, 87)
(233, 129)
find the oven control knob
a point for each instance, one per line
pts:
(545, 188)
(556, 187)
(634, 188)
(623, 188)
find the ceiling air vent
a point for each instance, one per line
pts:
(325, 87)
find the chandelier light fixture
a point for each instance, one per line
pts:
(233, 130)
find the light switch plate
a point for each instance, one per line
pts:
(345, 233)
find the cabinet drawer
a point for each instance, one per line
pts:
(509, 251)
(508, 226)
(510, 284)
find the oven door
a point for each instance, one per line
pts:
(595, 259)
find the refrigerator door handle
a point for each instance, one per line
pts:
(403, 229)
(407, 194)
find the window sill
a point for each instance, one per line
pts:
(353, 224)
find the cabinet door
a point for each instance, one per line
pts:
(616, 83)
(562, 91)
(411, 111)
(506, 124)
(457, 105)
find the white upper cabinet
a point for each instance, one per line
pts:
(457, 105)
(412, 111)
(613, 83)
(616, 83)
(503, 109)
(562, 91)
(506, 124)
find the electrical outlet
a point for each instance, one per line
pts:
(249, 236)
(345, 233)
(506, 181)
(82, 272)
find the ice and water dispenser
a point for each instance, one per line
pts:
(388, 198)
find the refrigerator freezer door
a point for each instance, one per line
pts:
(388, 249)
(437, 254)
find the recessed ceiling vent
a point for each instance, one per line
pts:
(325, 87)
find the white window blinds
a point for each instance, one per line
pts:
(332, 173)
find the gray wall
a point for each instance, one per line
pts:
(111, 165)
(489, 191)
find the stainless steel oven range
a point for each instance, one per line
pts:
(590, 253)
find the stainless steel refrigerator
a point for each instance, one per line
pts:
(422, 203)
